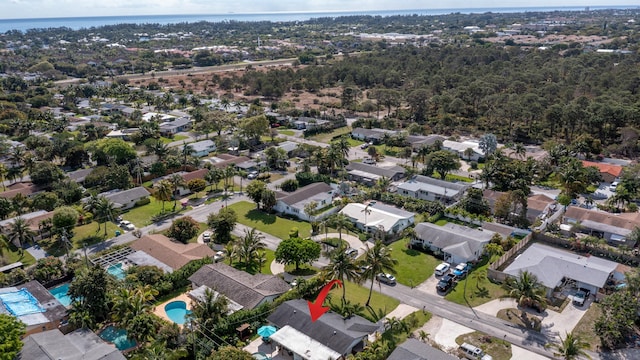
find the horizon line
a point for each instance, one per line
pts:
(487, 9)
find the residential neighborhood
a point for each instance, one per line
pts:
(308, 207)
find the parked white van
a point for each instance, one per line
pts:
(473, 353)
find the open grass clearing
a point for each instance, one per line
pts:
(11, 255)
(497, 348)
(287, 132)
(141, 216)
(478, 291)
(585, 327)
(271, 224)
(166, 140)
(91, 230)
(327, 137)
(356, 294)
(413, 266)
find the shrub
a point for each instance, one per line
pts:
(474, 165)
(293, 233)
(289, 185)
(144, 201)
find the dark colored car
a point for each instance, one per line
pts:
(446, 283)
(581, 296)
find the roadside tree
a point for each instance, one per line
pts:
(183, 229)
(297, 251)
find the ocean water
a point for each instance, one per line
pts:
(76, 23)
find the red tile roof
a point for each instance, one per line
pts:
(604, 168)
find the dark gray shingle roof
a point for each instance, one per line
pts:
(413, 349)
(305, 193)
(81, 344)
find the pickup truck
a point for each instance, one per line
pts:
(581, 296)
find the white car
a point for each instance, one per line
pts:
(127, 225)
(219, 256)
(368, 161)
(442, 269)
(206, 236)
(613, 186)
(252, 175)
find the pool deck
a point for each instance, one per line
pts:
(159, 309)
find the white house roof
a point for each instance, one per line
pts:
(462, 146)
(150, 115)
(303, 345)
(202, 145)
(434, 186)
(377, 215)
(550, 265)
(454, 239)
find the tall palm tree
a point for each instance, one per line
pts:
(383, 183)
(20, 233)
(339, 221)
(210, 310)
(248, 246)
(571, 347)
(379, 260)
(3, 174)
(341, 266)
(229, 173)
(186, 151)
(176, 182)
(214, 176)
(366, 212)
(527, 290)
(163, 191)
(104, 211)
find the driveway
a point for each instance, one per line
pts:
(429, 285)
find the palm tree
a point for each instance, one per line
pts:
(341, 266)
(104, 211)
(186, 151)
(176, 182)
(3, 174)
(379, 260)
(242, 174)
(527, 290)
(20, 233)
(520, 150)
(479, 276)
(163, 190)
(310, 208)
(214, 176)
(340, 222)
(248, 246)
(229, 172)
(383, 183)
(160, 351)
(366, 212)
(571, 347)
(210, 310)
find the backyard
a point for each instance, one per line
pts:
(271, 224)
(413, 266)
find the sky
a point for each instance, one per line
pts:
(16, 9)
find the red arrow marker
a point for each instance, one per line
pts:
(315, 308)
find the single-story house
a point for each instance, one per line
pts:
(79, 344)
(221, 161)
(171, 253)
(332, 336)
(197, 174)
(248, 166)
(377, 216)
(418, 142)
(428, 188)
(202, 148)
(609, 172)
(460, 148)
(539, 206)
(414, 349)
(369, 174)
(552, 266)
(32, 219)
(126, 199)
(45, 313)
(79, 175)
(612, 227)
(288, 146)
(530, 152)
(307, 123)
(154, 116)
(111, 108)
(123, 134)
(25, 188)
(249, 291)
(457, 243)
(294, 203)
(371, 135)
(170, 128)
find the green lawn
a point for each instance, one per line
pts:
(355, 142)
(326, 137)
(266, 269)
(287, 132)
(585, 327)
(477, 293)
(357, 294)
(12, 255)
(89, 230)
(413, 266)
(268, 223)
(141, 216)
(175, 138)
(442, 222)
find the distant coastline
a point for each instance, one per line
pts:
(76, 23)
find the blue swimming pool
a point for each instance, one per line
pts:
(177, 311)
(62, 294)
(116, 271)
(118, 337)
(20, 303)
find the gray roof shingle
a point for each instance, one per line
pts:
(81, 344)
(413, 349)
(305, 193)
(454, 239)
(386, 172)
(124, 196)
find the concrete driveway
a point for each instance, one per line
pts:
(429, 285)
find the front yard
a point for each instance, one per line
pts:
(326, 137)
(479, 289)
(413, 266)
(356, 294)
(497, 348)
(271, 224)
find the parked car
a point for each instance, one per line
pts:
(613, 186)
(581, 296)
(473, 352)
(363, 268)
(386, 278)
(369, 161)
(351, 252)
(252, 175)
(446, 283)
(461, 270)
(364, 146)
(442, 269)
(206, 236)
(219, 256)
(127, 225)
